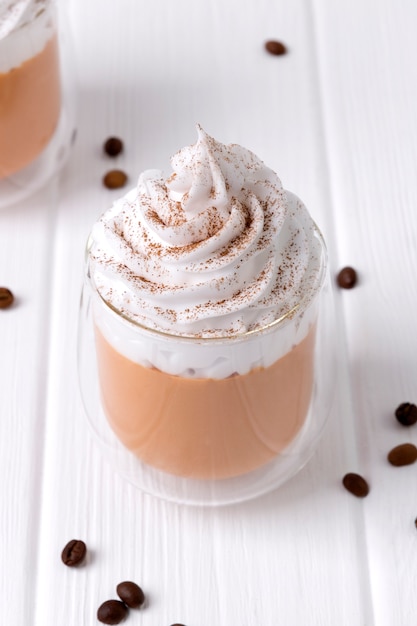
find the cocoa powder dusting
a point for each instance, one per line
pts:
(170, 247)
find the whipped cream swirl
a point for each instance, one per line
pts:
(16, 13)
(216, 249)
(25, 28)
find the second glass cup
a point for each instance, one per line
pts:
(36, 114)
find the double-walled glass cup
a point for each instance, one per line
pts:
(36, 110)
(214, 420)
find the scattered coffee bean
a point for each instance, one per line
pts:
(6, 298)
(347, 278)
(406, 414)
(113, 146)
(356, 485)
(415, 522)
(112, 612)
(74, 552)
(131, 594)
(114, 179)
(275, 47)
(405, 454)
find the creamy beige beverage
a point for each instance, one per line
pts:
(205, 303)
(217, 427)
(30, 92)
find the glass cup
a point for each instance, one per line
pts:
(208, 421)
(36, 112)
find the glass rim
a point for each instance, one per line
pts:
(301, 306)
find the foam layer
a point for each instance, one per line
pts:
(25, 28)
(202, 358)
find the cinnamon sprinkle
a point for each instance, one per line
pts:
(169, 248)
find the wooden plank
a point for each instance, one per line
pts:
(26, 243)
(369, 103)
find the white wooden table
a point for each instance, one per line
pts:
(336, 118)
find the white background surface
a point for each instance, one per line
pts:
(336, 118)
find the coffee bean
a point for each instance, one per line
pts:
(177, 624)
(405, 454)
(131, 594)
(356, 485)
(6, 298)
(415, 522)
(112, 612)
(113, 146)
(347, 278)
(74, 552)
(406, 414)
(275, 47)
(114, 179)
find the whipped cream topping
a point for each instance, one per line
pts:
(216, 249)
(16, 13)
(25, 28)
